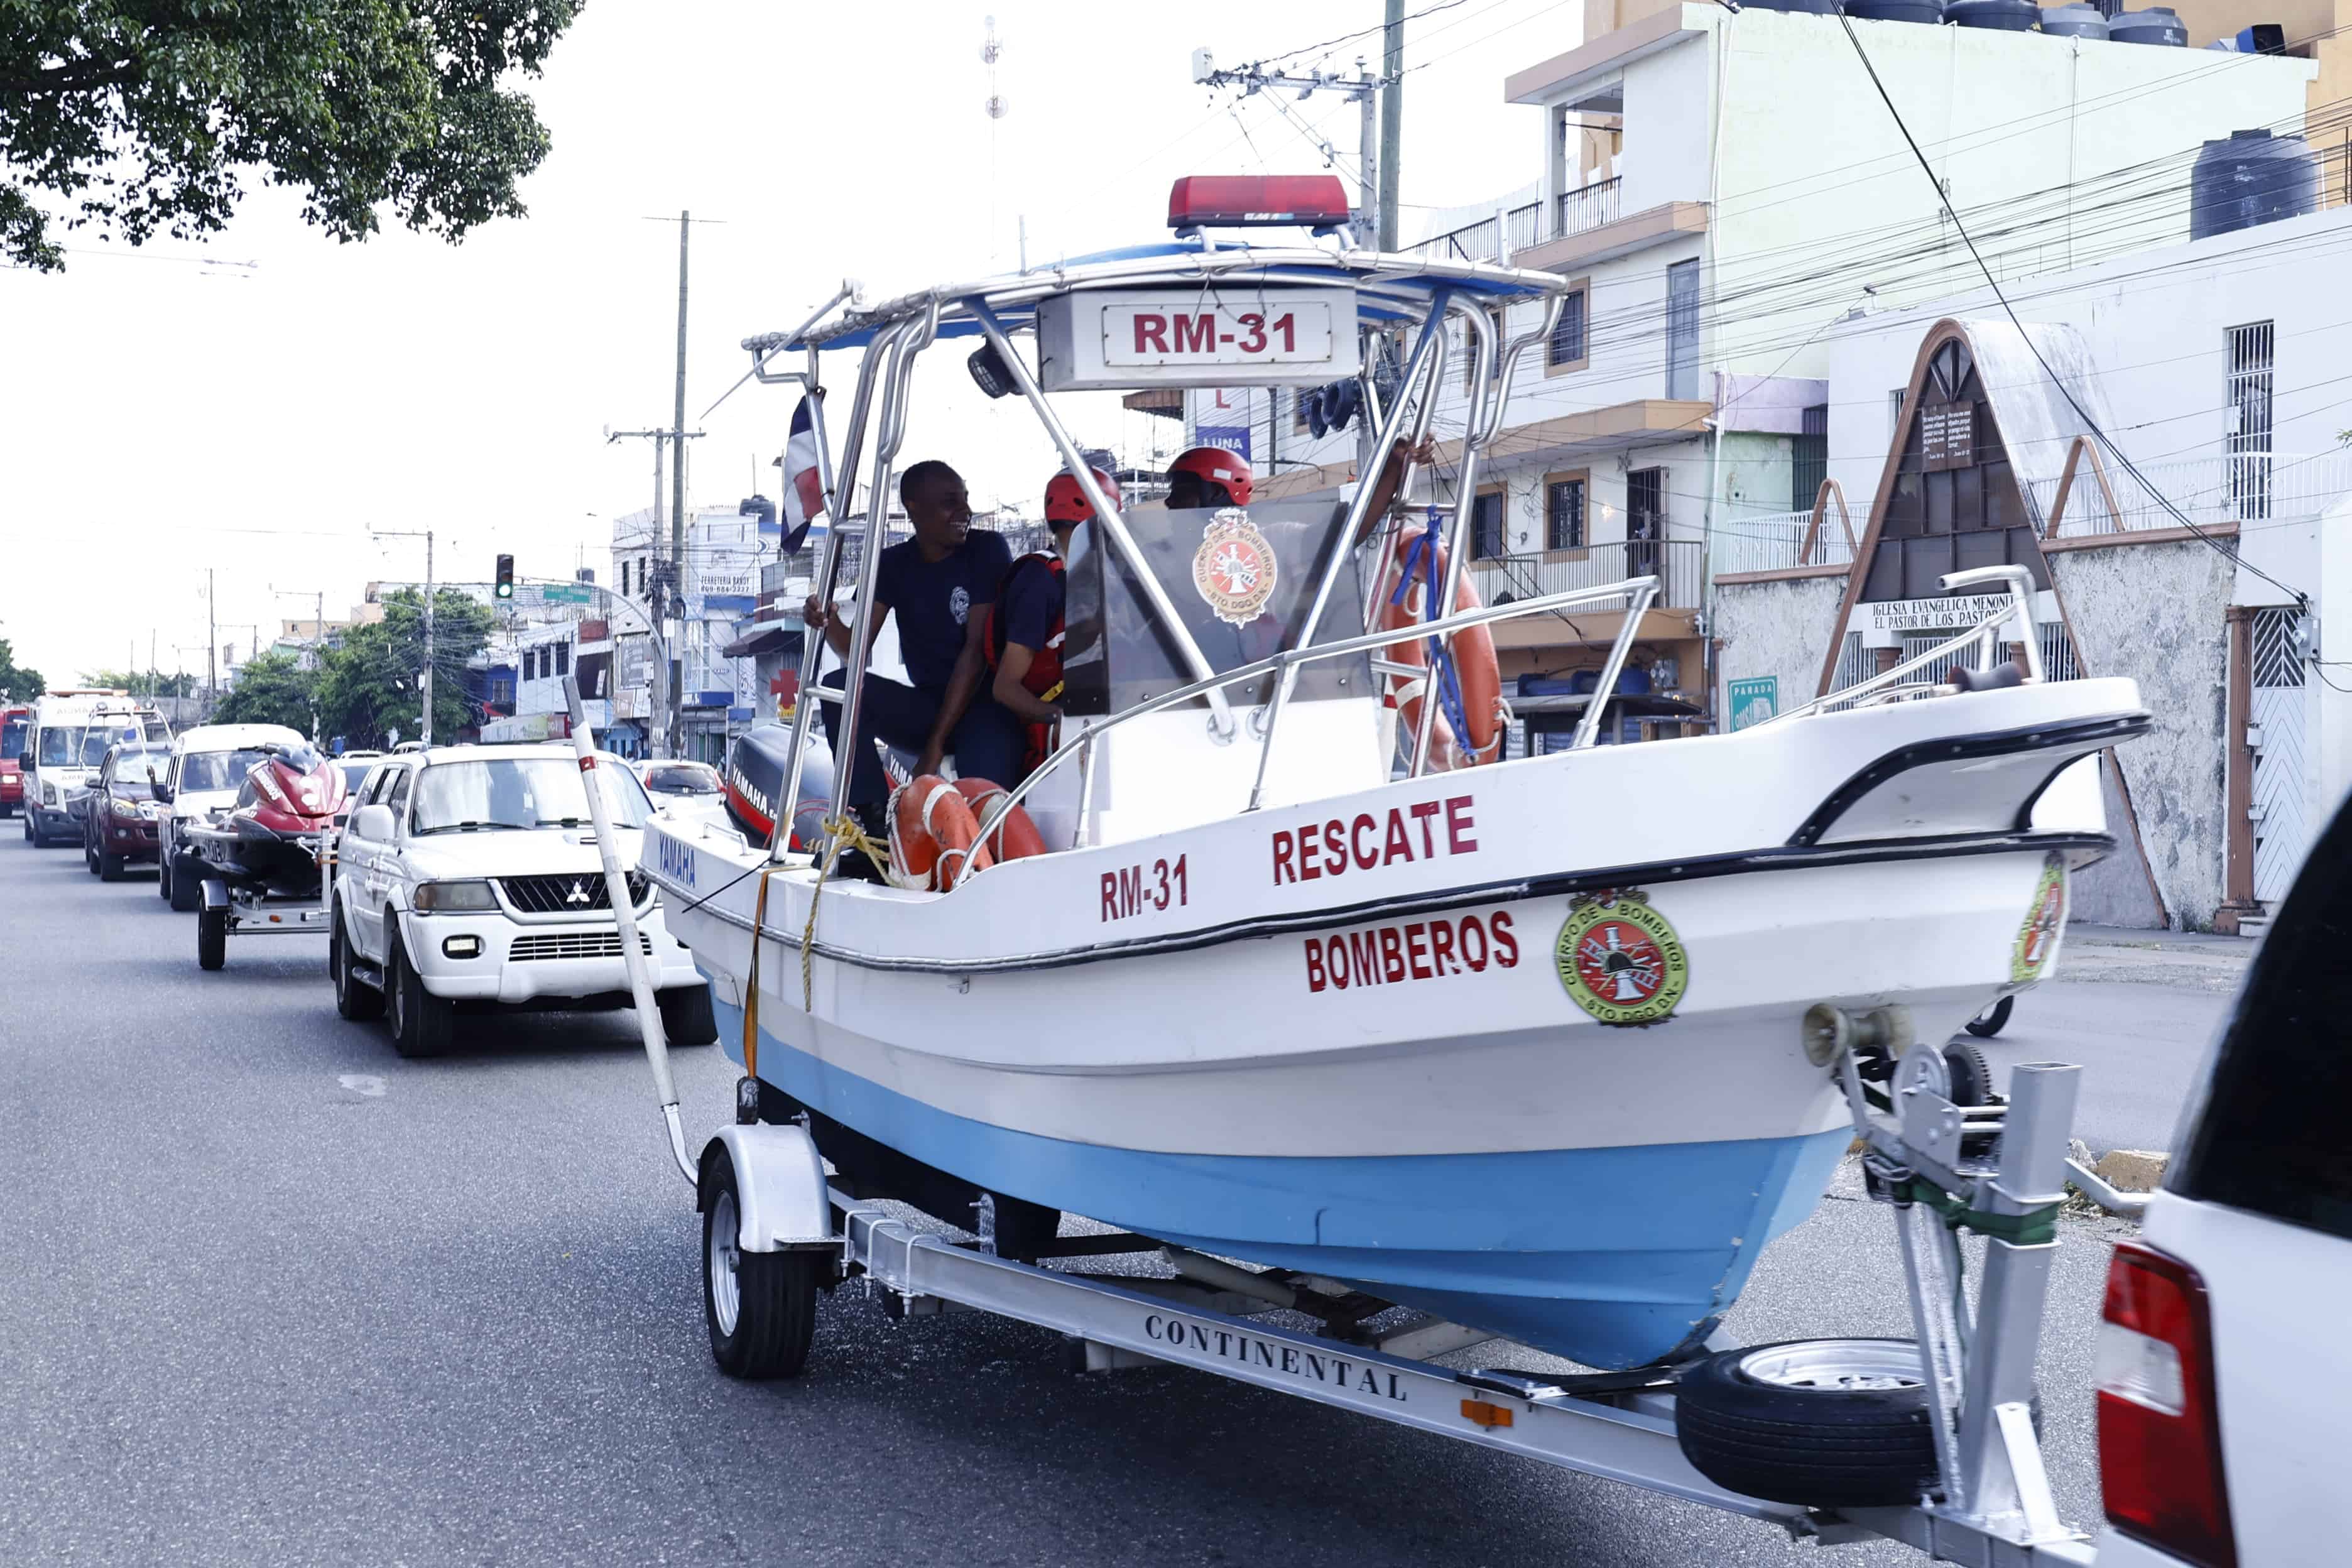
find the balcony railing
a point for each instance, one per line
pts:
(1575, 212)
(1676, 563)
(2217, 491)
(1776, 541)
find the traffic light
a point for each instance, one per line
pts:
(506, 578)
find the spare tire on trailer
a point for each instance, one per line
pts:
(1823, 1422)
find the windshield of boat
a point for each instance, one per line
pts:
(131, 772)
(12, 737)
(1240, 579)
(520, 792)
(217, 770)
(682, 778)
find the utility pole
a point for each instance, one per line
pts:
(1392, 119)
(674, 718)
(212, 646)
(657, 726)
(425, 681)
(1364, 88)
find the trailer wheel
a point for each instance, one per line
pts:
(1992, 1020)
(1825, 1422)
(760, 1307)
(421, 1022)
(187, 891)
(354, 999)
(212, 937)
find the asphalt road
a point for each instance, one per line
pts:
(270, 1295)
(2139, 1046)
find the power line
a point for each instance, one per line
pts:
(2302, 599)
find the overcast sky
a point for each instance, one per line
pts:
(252, 406)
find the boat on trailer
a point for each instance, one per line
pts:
(1306, 976)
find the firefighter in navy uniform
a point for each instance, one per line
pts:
(1023, 642)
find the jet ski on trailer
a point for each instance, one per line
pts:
(1304, 974)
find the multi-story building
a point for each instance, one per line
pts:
(717, 588)
(2202, 552)
(1724, 188)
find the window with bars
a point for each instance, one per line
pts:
(1487, 527)
(2247, 395)
(564, 659)
(1682, 330)
(1566, 348)
(1809, 457)
(2278, 648)
(1564, 513)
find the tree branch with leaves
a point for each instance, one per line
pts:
(143, 117)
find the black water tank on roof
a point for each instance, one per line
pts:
(2000, 15)
(2252, 178)
(2157, 24)
(2076, 21)
(1929, 11)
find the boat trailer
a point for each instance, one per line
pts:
(1992, 1507)
(230, 909)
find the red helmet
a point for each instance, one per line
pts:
(1065, 499)
(1215, 466)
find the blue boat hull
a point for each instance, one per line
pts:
(1610, 1256)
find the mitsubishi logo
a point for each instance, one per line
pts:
(577, 895)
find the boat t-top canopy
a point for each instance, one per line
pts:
(1389, 287)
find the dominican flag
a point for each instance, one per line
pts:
(804, 489)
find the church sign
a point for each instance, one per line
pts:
(1947, 436)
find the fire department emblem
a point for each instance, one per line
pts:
(2037, 939)
(1620, 960)
(1234, 569)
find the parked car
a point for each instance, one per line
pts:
(2223, 1371)
(684, 789)
(119, 820)
(470, 875)
(208, 766)
(15, 732)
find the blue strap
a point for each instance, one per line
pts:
(1422, 555)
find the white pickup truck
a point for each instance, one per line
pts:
(469, 876)
(2225, 1371)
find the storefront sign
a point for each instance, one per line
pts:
(1930, 614)
(1754, 699)
(1947, 436)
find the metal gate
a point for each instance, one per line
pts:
(2281, 807)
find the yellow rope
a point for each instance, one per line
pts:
(845, 833)
(751, 996)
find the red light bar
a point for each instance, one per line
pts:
(1248, 201)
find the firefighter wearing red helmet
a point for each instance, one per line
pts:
(1024, 640)
(1209, 477)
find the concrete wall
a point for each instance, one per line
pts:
(1668, 124)
(1779, 629)
(2157, 612)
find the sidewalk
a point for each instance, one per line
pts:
(2192, 960)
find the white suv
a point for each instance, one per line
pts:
(2225, 1372)
(471, 874)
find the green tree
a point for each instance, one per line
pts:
(372, 686)
(139, 683)
(271, 689)
(145, 116)
(16, 684)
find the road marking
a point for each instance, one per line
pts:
(362, 1083)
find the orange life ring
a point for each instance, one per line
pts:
(930, 823)
(1017, 838)
(1476, 666)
